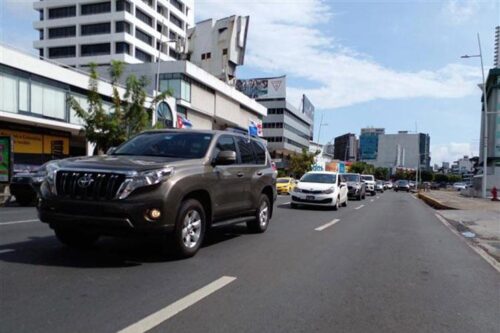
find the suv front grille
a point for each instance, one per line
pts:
(85, 185)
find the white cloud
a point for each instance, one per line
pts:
(459, 11)
(292, 43)
(451, 152)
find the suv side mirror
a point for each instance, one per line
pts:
(110, 150)
(225, 157)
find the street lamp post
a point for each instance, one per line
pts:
(485, 121)
(321, 124)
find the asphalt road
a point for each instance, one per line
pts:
(388, 266)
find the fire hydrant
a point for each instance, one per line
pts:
(494, 193)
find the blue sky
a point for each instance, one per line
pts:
(392, 64)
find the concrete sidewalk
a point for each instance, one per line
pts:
(476, 219)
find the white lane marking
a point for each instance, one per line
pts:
(359, 207)
(371, 200)
(414, 197)
(324, 226)
(477, 249)
(16, 222)
(378, 197)
(6, 251)
(171, 310)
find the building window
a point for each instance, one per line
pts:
(224, 52)
(178, 84)
(143, 56)
(48, 101)
(24, 95)
(177, 4)
(40, 34)
(176, 21)
(122, 26)
(62, 52)
(8, 94)
(123, 5)
(41, 53)
(40, 14)
(122, 47)
(95, 49)
(62, 32)
(60, 12)
(174, 54)
(148, 2)
(246, 151)
(96, 29)
(144, 17)
(141, 35)
(172, 35)
(96, 8)
(162, 10)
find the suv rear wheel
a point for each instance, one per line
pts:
(190, 229)
(76, 238)
(261, 221)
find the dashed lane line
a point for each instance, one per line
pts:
(359, 207)
(171, 310)
(326, 225)
(17, 222)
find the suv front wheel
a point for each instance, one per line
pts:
(190, 229)
(261, 221)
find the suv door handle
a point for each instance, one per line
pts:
(240, 174)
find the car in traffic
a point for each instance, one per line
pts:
(379, 186)
(388, 185)
(169, 184)
(320, 188)
(285, 185)
(24, 185)
(370, 183)
(356, 188)
(402, 185)
(459, 186)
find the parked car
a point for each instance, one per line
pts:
(24, 185)
(459, 186)
(402, 185)
(412, 184)
(370, 183)
(379, 186)
(388, 185)
(171, 184)
(355, 187)
(285, 185)
(320, 188)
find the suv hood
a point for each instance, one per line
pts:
(121, 162)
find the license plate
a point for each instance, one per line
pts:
(310, 197)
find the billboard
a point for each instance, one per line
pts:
(5, 159)
(263, 88)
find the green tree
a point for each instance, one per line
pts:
(440, 178)
(426, 176)
(129, 114)
(301, 163)
(362, 168)
(381, 173)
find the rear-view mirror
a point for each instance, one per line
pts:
(225, 157)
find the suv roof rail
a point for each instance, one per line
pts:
(240, 131)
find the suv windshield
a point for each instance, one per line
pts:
(366, 177)
(351, 178)
(167, 144)
(318, 178)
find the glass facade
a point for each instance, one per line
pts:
(368, 146)
(39, 97)
(178, 84)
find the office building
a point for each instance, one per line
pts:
(287, 129)
(368, 143)
(219, 46)
(496, 55)
(77, 32)
(204, 100)
(403, 150)
(346, 147)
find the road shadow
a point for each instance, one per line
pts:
(108, 252)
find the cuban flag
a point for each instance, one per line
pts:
(183, 122)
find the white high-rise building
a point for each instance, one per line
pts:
(77, 32)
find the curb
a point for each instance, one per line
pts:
(433, 202)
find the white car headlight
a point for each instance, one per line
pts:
(146, 178)
(50, 176)
(296, 189)
(329, 191)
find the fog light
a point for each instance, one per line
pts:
(154, 214)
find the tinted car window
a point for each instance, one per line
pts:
(260, 152)
(324, 178)
(167, 144)
(225, 142)
(246, 151)
(351, 178)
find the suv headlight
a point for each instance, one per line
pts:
(143, 179)
(329, 191)
(50, 175)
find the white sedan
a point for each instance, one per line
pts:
(320, 188)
